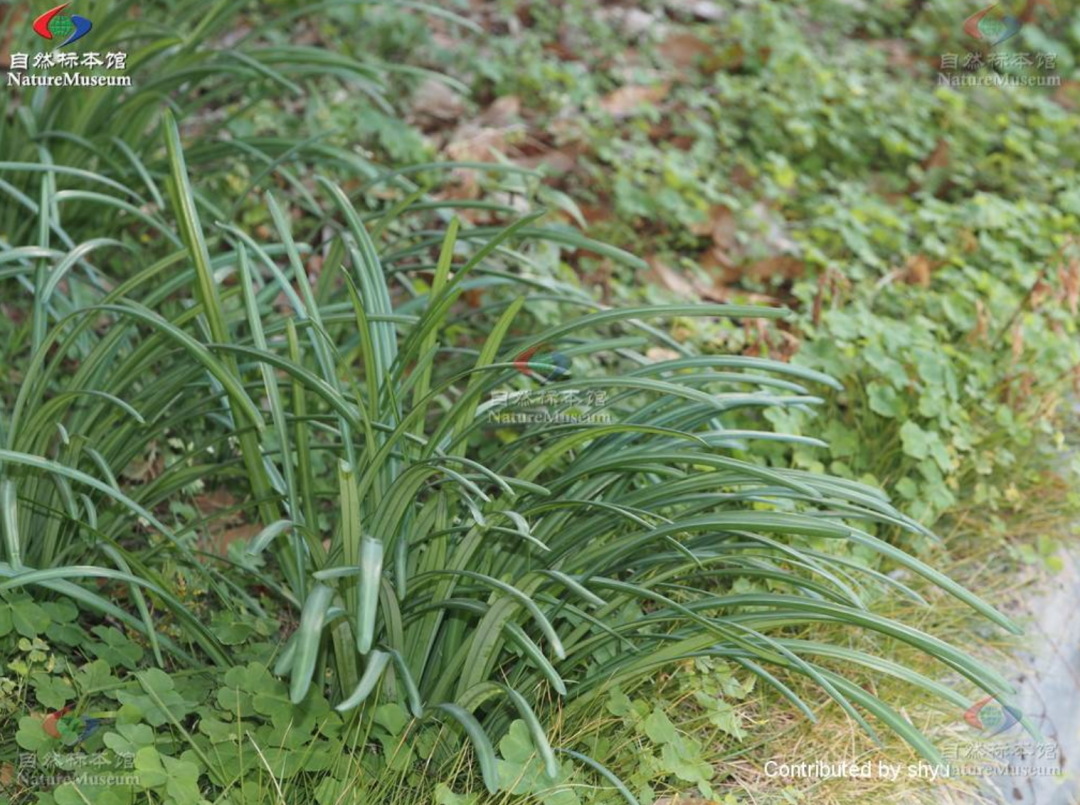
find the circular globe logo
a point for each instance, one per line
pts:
(55, 26)
(540, 362)
(992, 717)
(61, 26)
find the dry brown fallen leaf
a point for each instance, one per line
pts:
(917, 270)
(501, 113)
(480, 144)
(978, 333)
(658, 354)
(1017, 341)
(434, 103)
(1069, 277)
(214, 501)
(705, 10)
(781, 265)
(939, 157)
(628, 99)
(630, 22)
(669, 278)
(721, 226)
(720, 265)
(222, 531)
(246, 531)
(683, 48)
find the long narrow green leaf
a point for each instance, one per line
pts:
(485, 752)
(310, 630)
(371, 558)
(9, 520)
(376, 664)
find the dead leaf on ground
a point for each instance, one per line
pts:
(741, 177)
(626, 100)
(782, 265)
(683, 48)
(1017, 341)
(669, 278)
(630, 22)
(719, 264)
(1069, 276)
(939, 157)
(214, 501)
(222, 530)
(480, 144)
(218, 539)
(659, 354)
(434, 103)
(1040, 292)
(555, 161)
(704, 10)
(720, 225)
(596, 213)
(917, 270)
(978, 333)
(691, 285)
(463, 186)
(501, 113)
(542, 150)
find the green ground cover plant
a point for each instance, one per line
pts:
(806, 152)
(327, 477)
(495, 589)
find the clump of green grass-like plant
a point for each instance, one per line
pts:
(475, 576)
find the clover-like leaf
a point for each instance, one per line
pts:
(31, 734)
(51, 691)
(94, 677)
(157, 700)
(115, 648)
(149, 768)
(28, 618)
(129, 738)
(232, 629)
(217, 731)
